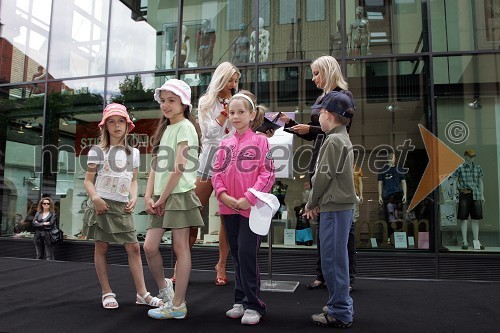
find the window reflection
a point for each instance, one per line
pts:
(79, 33)
(23, 38)
(132, 38)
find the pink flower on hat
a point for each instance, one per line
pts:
(115, 109)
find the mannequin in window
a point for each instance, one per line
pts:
(391, 189)
(185, 50)
(263, 43)
(336, 42)
(469, 177)
(241, 47)
(205, 43)
(359, 34)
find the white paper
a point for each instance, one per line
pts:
(400, 240)
(289, 237)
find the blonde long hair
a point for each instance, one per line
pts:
(221, 76)
(329, 69)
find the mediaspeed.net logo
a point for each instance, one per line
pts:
(442, 160)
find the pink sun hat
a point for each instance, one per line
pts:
(115, 109)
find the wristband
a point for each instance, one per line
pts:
(224, 113)
(217, 121)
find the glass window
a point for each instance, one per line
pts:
(384, 27)
(217, 31)
(390, 103)
(21, 127)
(467, 107)
(320, 34)
(70, 127)
(78, 38)
(136, 31)
(24, 39)
(463, 26)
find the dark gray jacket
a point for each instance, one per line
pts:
(333, 182)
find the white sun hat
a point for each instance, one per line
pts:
(262, 212)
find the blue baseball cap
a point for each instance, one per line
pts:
(339, 102)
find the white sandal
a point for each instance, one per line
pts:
(155, 301)
(109, 298)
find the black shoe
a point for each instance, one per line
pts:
(315, 285)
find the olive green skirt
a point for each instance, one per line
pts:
(182, 210)
(115, 226)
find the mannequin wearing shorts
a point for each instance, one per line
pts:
(470, 196)
(391, 189)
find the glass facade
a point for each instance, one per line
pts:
(413, 66)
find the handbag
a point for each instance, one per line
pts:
(56, 235)
(303, 231)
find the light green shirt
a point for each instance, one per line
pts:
(183, 131)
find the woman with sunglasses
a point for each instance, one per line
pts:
(44, 220)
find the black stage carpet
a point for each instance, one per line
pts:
(43, 296)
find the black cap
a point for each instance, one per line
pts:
(338, 102)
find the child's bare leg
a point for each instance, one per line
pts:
(101, 267)
(135, 265)
(193, 235)
(203, 191)
(152, 250)
(183, 254)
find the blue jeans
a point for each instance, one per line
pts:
(334, 234)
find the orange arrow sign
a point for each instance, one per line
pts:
(442, 162)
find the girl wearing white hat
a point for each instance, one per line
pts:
(170, 199)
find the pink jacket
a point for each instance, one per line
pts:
(242, 163)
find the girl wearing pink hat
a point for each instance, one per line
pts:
(111, 184)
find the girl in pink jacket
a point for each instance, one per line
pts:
(242, 162)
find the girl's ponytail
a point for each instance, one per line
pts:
(260, 112)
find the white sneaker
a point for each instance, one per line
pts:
(236, 312)
(168, 311)
(167, 293)
(250, 317)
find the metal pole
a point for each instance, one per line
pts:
(270, 253)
